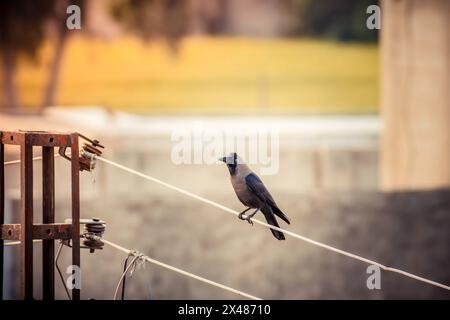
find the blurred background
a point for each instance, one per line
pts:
(363, 117)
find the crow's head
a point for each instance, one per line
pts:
(232, 161)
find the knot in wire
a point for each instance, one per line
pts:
(137, 262)
(91, 157)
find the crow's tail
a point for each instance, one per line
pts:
(280, 213)
(268, 213)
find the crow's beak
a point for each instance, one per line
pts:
(223, 159)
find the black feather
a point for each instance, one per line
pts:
(257, 187)
(272, 221)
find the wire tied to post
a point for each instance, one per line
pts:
(87, 156)
(137, 261)
(93, 230)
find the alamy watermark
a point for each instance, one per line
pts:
(374, 20)
(200, 145)
(374, 280)
(73, 21)
(73, 281)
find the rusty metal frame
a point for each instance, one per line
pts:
(48, 231)
(2, 208)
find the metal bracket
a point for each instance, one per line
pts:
(90, 149)
(51, 231)
(48, 231)
(92, 233)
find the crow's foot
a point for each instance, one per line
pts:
(241, 215)
(249, 217)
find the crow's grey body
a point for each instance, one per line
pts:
(244, 194)
(252, 193)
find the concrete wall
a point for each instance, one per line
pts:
(316, 155)
(326, 183)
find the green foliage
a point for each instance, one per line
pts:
(343, 20)
(22, 24)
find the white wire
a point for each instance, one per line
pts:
(290, 233)
(185, 273)
(8, 163)
(16, 243)
(162, 264)
(124, 274)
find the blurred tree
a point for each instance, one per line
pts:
(21, 32)
(167, 19)
(343, 20)
(208, 17)
(60, 31)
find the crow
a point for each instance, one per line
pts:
(253, 194)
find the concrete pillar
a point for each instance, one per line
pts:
(415, 103)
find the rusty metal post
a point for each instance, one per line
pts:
(26, 218)
(48, 231)
(2, 208)
(75, 208)
(48, 217)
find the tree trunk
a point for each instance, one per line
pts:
(9, 88)
(54, 71)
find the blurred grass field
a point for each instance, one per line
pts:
(210, 75)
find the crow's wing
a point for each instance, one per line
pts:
(257, 187)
